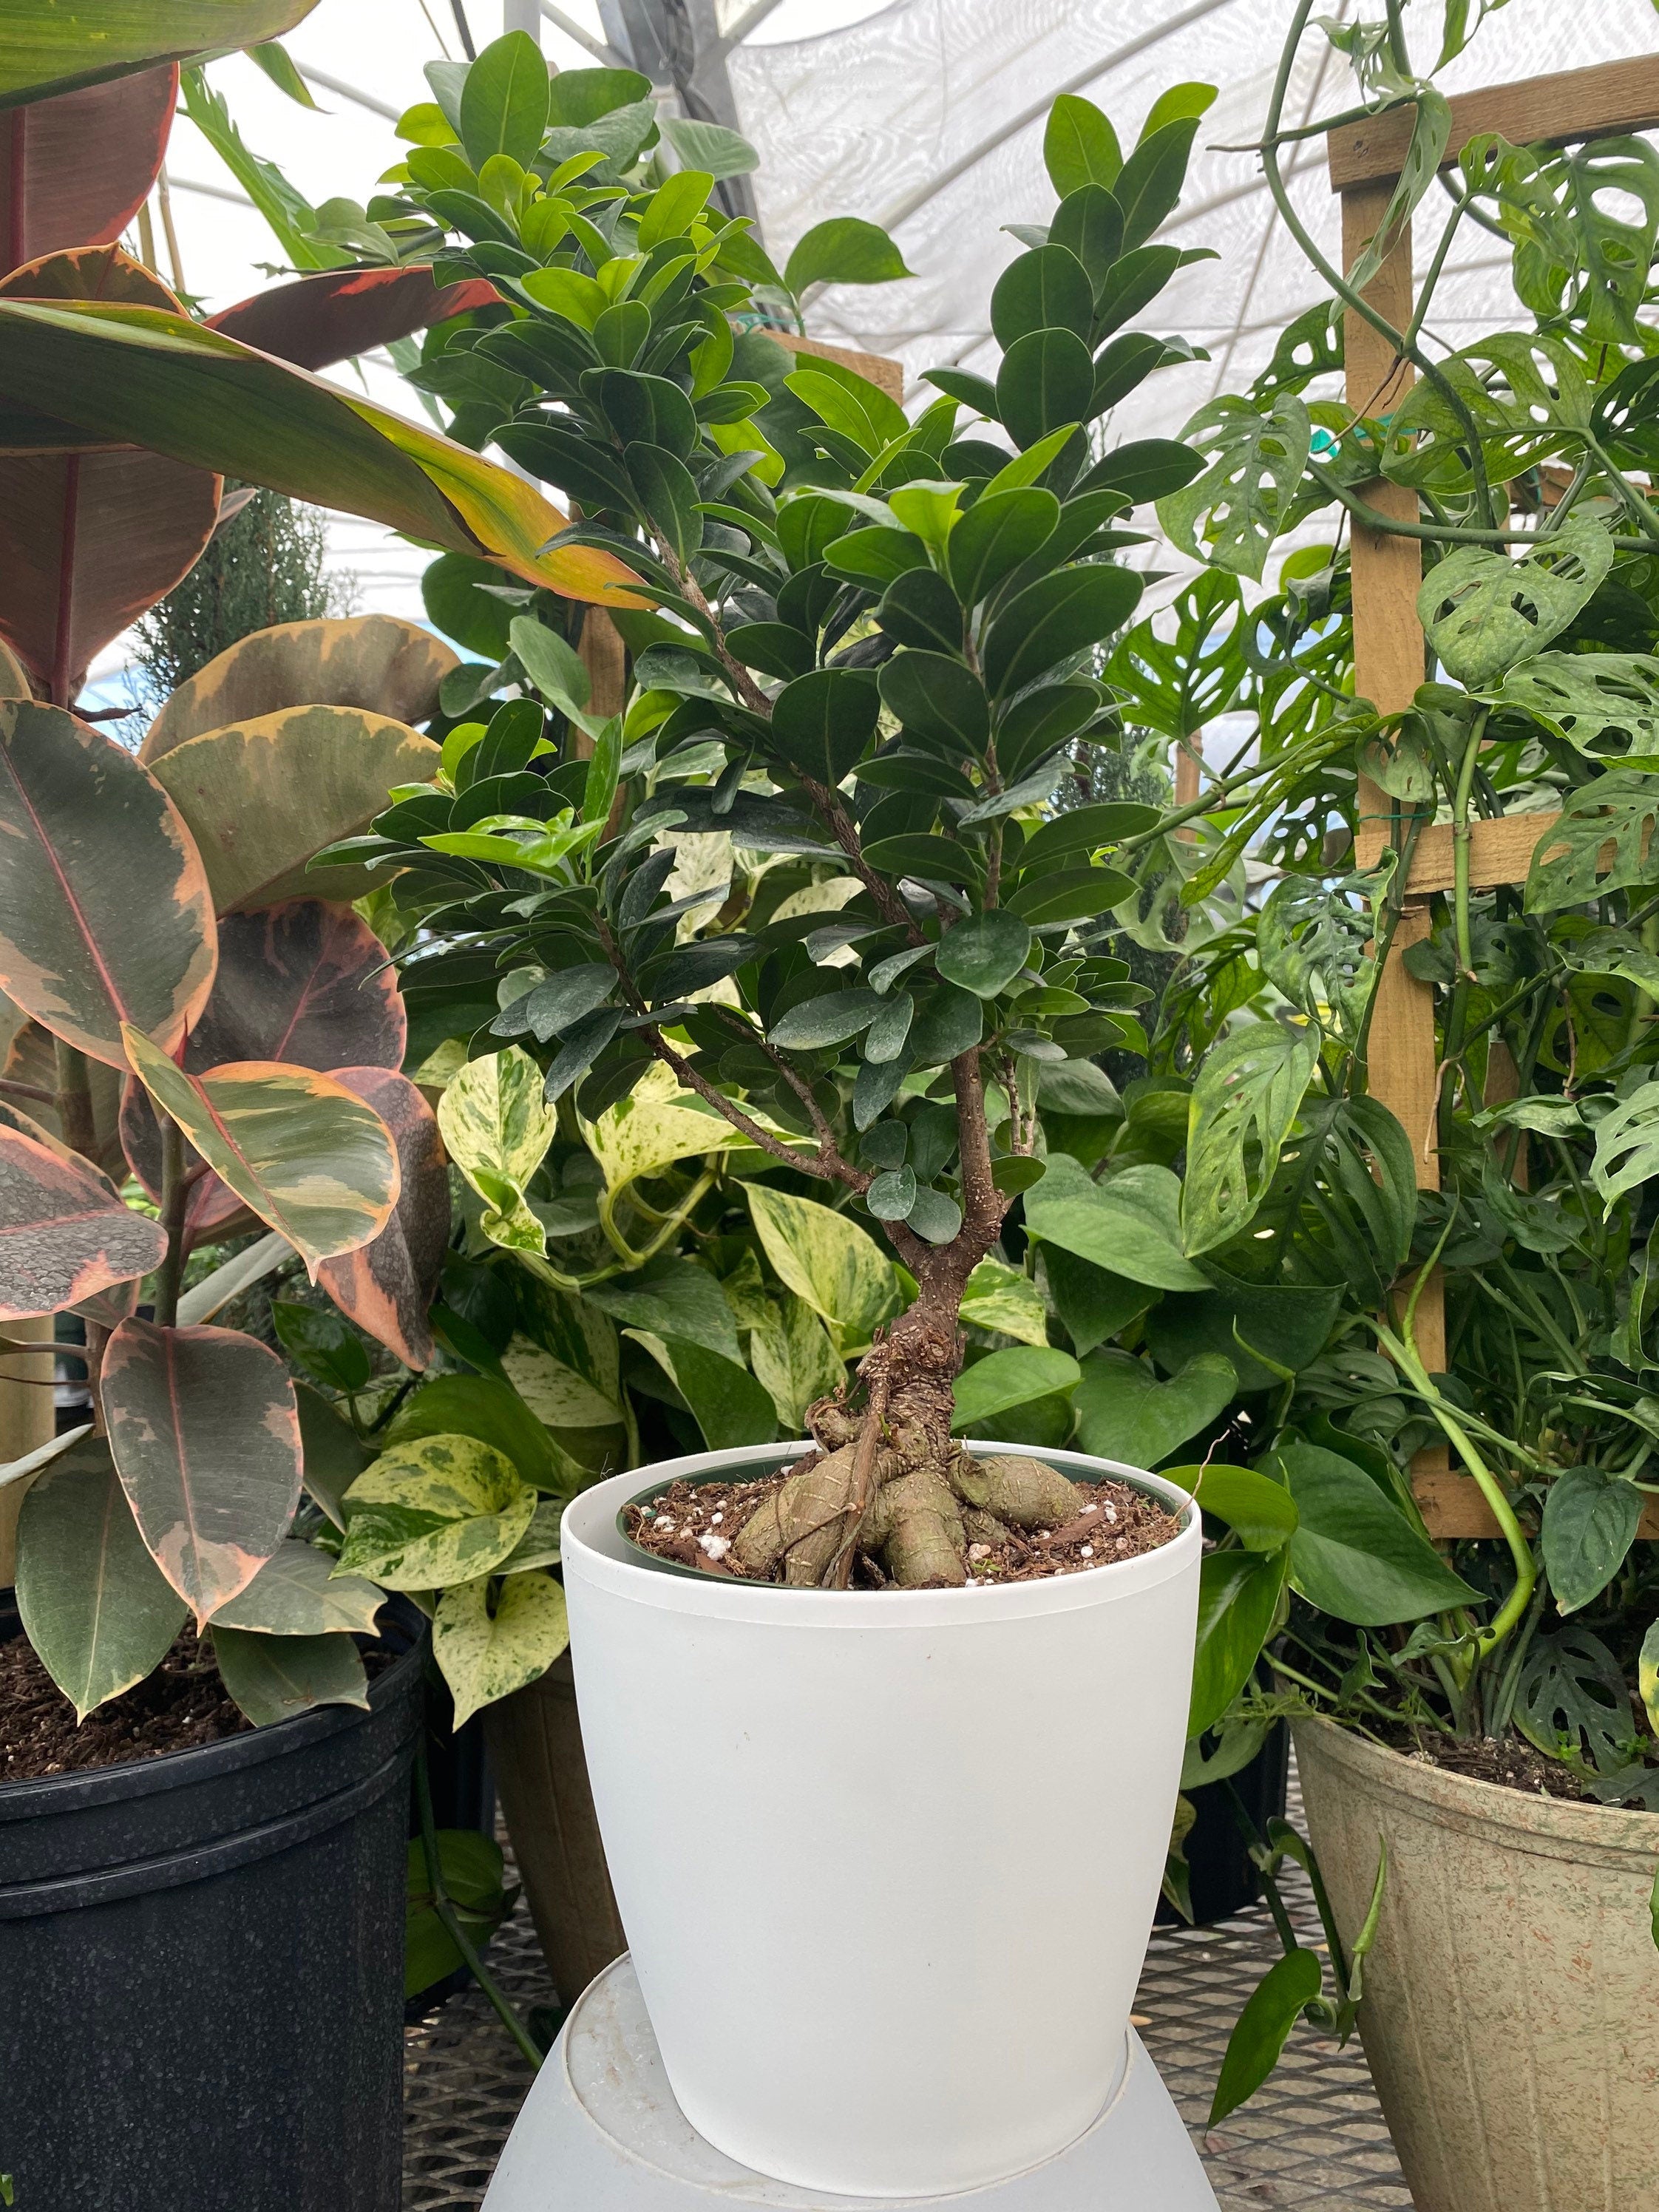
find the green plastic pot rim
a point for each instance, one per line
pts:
(655, 1561)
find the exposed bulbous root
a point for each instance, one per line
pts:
(888, 1481)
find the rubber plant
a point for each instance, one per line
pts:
(869, 650)
(1527, 456)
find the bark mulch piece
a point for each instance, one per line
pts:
(693, 1523)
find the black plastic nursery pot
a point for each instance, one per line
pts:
(201, 1968)
(1223, 1876)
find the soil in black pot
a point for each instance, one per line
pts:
(182, 1704)
(697, 1524)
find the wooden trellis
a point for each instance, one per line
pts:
(1365, 162)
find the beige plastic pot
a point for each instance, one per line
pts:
(1511, 2012)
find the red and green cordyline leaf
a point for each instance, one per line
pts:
(46, 50)
(88, 541)
(308, 1158)
(140, 376)
(94, 1607)
(340, 313)
(259, 798)
(305, 983)
(75, 170)
(205, 1434)
(64, 1233)
(376, 662)
(106, 916)
(387, 1287)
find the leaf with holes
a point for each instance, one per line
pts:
(1484, 613)
(432, 1511)
(387, 1285)
(1591, 699)
(205, 1433)
(1598, 843)
(1242, 500)
(1248, 1093)
(96, 1608)
(1574, 1702)
(92, 840)
(1627, 1143)
(485, 1652)
(65, 1234)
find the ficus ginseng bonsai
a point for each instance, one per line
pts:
(873, 645)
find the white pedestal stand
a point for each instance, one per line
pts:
(600, 2132)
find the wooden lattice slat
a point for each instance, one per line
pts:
(1365, 160)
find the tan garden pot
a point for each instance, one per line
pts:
(1511, 2012)
(535, 1744)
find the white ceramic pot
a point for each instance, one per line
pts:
(887, 1861)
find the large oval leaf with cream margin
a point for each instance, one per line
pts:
(445, 1510)
(1129, 1223)
(376, 662)
(96, 1608)
(297, 1593)
(827, 1259)
(65, 1234)
(498, 1127)
(205, 1434)
(386, 1286)
(312, 1160)
(261, 796)
(485, 1655)
(106, 915)
(306, 983)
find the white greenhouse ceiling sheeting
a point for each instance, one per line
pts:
(925, 116)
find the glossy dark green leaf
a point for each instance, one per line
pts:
(919, 608)
(1260, 1512)
(1148, 187)
(1047, 289)
(1145, 468)
(876, 556)
(995, 536)
(887, 1034)
(1093, 1303)
(949, 1022)
(1590, 1521)
(1263, 2028)
(774, 647)
(1032, 728)
(580, 467)
(645, 409)
(831, 1019)
(1089, 224)
(668, 492)
(936, 859)
(1133, 282)
(1013, 1377)
(1354, 1554)
(1079, 146)
(823, 721)
(1069, 895)
(1086, 830)
(1053, 619)
(1238, 1596)
(892, 1195)
(1288, 1323)
(973, 391)
(1047, 378)
(938, 701)
(986, 952)
(1122, 366)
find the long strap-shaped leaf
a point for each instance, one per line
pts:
(147, 378)
(205, 1433)
(105, 912)
(310, 1159)
(46, 50)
